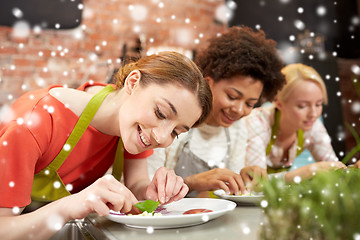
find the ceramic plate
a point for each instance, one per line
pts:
(239, 198)
(172, 214)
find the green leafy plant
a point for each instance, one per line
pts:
(147, 205)
(353, 132)
(324, 207)
(355, 149)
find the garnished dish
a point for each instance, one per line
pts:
(248, 197)
(148, 208)
(183, 213)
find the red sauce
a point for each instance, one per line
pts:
(197, 210)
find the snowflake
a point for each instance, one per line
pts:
(17, 13)
(264, 203)
(321, 10)
(150, 230)
(205, 218)
(246, 230)
(138, 12)
(300, 25)
(297, 179)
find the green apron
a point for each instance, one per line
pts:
(274, 131)
(47, 185)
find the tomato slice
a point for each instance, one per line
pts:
(197, 210)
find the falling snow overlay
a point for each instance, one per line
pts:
(37, 55)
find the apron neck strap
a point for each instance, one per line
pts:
(274, 132)
(80, 127)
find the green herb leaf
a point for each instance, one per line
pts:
(147, 205)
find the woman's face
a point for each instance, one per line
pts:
(233, 98)
(154, 115)
(303, 106)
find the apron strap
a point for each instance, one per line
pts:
(80, 127)
(274, 131)
(300, 139)
(118, 165)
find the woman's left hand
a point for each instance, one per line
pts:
(166, 186)
(251, 176)
(357, 164)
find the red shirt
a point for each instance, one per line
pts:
(32, 136)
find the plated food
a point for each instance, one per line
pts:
(172, 215)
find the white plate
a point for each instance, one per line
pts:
(239, 198)
(173, 214)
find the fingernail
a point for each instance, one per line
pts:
(162, 200)
(227, 192)
(167, 199)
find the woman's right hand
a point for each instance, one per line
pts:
(104, 194)
(308, 171)
(252, 175)
(217, 178)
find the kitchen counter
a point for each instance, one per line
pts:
(241, 223)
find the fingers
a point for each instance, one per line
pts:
(252, 174)
(173, 184)
(260, 172)
(181, 193)
(179, 187)
(105, 194)
(222, 185)
(159, 181)
(245, 175)
(235, 183)
(167, 186)
(240, 184)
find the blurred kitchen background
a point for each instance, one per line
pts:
(68, 42)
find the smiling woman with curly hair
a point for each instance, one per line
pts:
(243, 69)
(242, 51)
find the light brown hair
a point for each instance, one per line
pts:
(170, 68)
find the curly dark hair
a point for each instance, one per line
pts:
(242, 51)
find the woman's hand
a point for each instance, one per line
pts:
(104, 194)
(307, 171)
(166, 186)
(252, 175)
(357, 164)
(325, 166)
(217, 178)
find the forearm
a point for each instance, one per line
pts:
(309, 170)
(40, 224)
(302, 172)
(136, 177)
(139, 189)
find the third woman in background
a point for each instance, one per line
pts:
(277, 134)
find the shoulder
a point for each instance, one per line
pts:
(90, 84)
(28, 103)
(260, 118)
(76, 99)
(90, 87)
(32, 114)
(264, 113)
